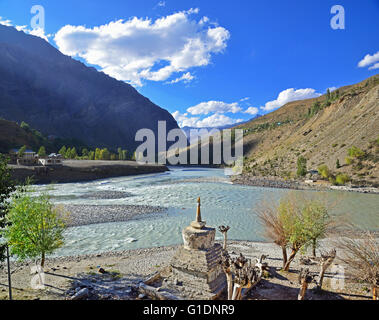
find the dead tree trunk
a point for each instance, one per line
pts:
(241, 274)
(284, 251)
(224, 230)
(304, 280)
(314, 245)
(374, 292)
(326, 260)
(226, 265)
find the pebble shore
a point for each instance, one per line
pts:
(274, 182)
(80, 215)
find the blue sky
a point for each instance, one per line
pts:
(213, 63)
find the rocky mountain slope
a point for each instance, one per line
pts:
(321, 130)
(60, 96)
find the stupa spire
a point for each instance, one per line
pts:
(198, 223)
(198, 213)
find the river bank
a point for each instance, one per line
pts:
(124, 270)
(82, 215)
(84, 170)
(275, 182)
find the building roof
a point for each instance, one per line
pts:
(26, 151)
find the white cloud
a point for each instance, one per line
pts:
(217, 120)
(245, 99)
(214, 106)
(252, 111)
(290, 95)
(141, 49)
(185, 121)
(5, 22)
(186, 77)
(375, 66)
(38, 32)
(161, 4)
(369, 59)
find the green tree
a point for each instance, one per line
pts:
(62, 151)
(124, 154)
(301, 166)
(91, 155)
(85, 152)
(42, 151)
(68, 153)
(328, 96)
(21, 151)
(105, 154)
(73, 153)
(119, 151)
(25, 126)
(35, 227)
(295, 223)
(316, 220)
(7, 186)
(97, 154)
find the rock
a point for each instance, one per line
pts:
(178, 283)
(102, 271)
(81, 294)
(141, 296)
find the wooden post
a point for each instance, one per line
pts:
(304, 279)
(224, 230)
(374, 292)
(326, 260)
(9, 275)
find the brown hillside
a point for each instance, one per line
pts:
(274, 142)
(12, 136)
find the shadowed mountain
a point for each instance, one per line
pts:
(60, 96)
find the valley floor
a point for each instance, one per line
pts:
(85, 170)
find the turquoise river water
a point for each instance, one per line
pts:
(177, 190)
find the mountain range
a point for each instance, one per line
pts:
(324, 131)
(60, 96)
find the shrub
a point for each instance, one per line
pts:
(324, 171)
(349, 161)
(355, 152)
(342, 179)
(362, 259)
(338, 165)
(301, 166)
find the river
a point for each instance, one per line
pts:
(222, 204)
